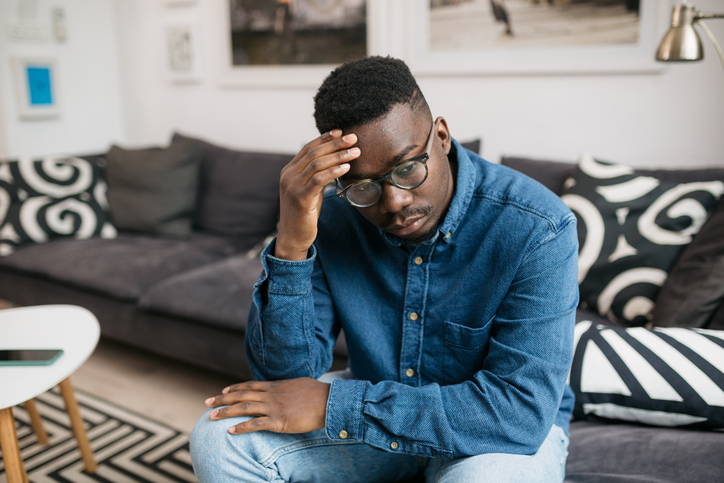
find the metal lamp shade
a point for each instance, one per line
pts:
(681, 42)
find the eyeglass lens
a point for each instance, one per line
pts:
(407, 175)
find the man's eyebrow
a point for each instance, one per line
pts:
(396, 159)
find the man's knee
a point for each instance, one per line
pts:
(211, 446)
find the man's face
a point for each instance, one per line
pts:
(402, 134)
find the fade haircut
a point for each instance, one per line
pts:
(364, 90)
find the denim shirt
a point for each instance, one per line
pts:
(460, 345)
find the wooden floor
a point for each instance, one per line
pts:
(164, 390)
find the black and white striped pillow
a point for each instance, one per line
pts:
(53, 197)
(663, 377)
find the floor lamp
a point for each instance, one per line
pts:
(682, 42)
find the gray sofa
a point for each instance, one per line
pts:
(187, 298)
(181, 296)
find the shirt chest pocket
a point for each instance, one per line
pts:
(464, 350)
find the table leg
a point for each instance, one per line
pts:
(35, 421)
(14, 468)
(71, 405)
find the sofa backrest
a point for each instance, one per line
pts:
(238, 191)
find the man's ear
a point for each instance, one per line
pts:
(442, 133)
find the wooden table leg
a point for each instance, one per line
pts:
(71, 405)
(14, 468)
(35, 421)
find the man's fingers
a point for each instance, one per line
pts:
(247, 386)
(320, 147)
(243, 408)
(256, 424)
(233, 397)
(326, 168)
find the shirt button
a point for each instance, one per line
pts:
(394, 445)
(409, 373)
(418, 260)
(343, 434)
(447, 235)
(413, 316)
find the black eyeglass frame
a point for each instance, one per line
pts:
(423, 158)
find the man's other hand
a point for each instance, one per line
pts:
(289, 406)
(301, 189)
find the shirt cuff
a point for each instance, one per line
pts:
(344, 410)
(287, 277)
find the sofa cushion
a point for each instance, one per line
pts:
(663, 377)
(53, 197)
(632, 227)
(154, 190)
(694, 290)
(551, 174)
(218, 293)
(603, 452)
(121, 268)
(239, 191)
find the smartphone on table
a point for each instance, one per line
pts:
(29, 357)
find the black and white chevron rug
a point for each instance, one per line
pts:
(128, 448)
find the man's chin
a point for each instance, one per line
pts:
(418, 238)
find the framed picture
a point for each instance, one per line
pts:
(183, 52)
(501, 37)
(294, 43)
(35, 87)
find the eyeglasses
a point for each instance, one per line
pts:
(407, 175)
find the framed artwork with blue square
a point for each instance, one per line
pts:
(35, 88)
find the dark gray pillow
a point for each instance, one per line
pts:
(551, 174)
(717, 321)
(473, 145)
(154, 190)
(694, 290)
(239, 191)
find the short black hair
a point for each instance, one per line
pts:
(361, 91)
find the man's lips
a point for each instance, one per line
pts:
(407, 226)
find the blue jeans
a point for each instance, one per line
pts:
(312, 457)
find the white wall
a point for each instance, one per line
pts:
(87, 80)
(670, 119)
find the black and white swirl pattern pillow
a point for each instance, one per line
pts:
(51, 198)
(631, 230)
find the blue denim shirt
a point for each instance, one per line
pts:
(461, 345)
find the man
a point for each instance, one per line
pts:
(455, 283)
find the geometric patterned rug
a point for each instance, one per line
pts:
(127, 447)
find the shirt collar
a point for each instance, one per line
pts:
(464, 187)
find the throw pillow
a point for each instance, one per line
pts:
(53, 197)
(551, 174)
(695, 288)
(239, 192)
(154, 190)
(473, 145)
(661, 377)
(632, 227)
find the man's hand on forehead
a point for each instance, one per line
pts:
(301, 190)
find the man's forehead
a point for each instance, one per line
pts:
(378, 163)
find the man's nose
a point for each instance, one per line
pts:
(394, 199)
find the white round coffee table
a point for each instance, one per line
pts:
(68, 327)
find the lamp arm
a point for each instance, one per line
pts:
(711, 37)
(700, 15)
